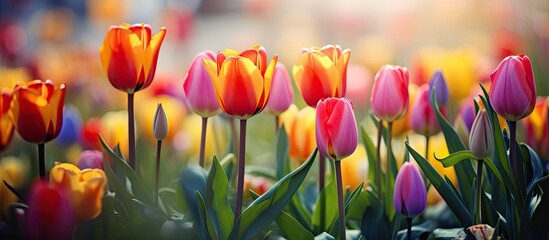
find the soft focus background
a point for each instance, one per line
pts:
(60, 40)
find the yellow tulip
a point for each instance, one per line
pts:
(13, 171)
(354, 168)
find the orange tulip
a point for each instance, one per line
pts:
(321, 73)
(84, 188)
(302, 134)
(129, 54)
(536, 126)
(37, 110)
(6, 126)
(242, 81)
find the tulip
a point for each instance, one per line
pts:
(302, 134)
(242, 83)
(6, 126)
(89, 135)
(480, 139)
(129, 55)
(90, 159)
(13, 171)
(402, 126)
(438, 82)
(482, 231)
(423, 118)
(336, 138)
(198, 87)
(259, 185)
(72, 123)
(160, 130)
(48, 216)
(282, 94)
(410, 197)
(36, 111)
(85, 188)
(512, 92)
(354, 168)
(148, 104)
(336, 129)
(321, 73)
(536, 126)
(389, 100)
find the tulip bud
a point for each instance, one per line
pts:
(438, 82)
(410, 197)
(6, 126)
(282, 94)
(160, 123)
(481, 142)
(336, 129)
(90, 159)
(423, 118)
(198, 87)
(513, 92)
(389, 100)
(482, 231)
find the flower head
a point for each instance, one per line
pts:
(198, 87)
(281, 95)
(160, 123)
(336, 129)
(389, 99)
(410, 197)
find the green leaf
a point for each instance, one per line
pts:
(192, 180)
(291, 228)
(113, 181)
(136, 186)
(371, 153)
(282, 147)
(268, 206)
(374, 224)
(456, 158)
(453, 201)
(217, 204)
(464, 170)
(325, 211)
(334, 229)
(202, 220)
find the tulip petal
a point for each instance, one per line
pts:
(316, 77)
(151, 56)
(342, 129)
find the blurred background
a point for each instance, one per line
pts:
(60, 40)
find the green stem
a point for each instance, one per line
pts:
(378, 162)
(321, 172)
(42, 160)
(426, 147)
(409, 232)
(241, 164)
(203, 141)
(158, 150)
(131, 132)
(389, 174)
(512, 146)
(340, 200)
(277, 121)
(479, 191)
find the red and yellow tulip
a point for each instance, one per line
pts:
(242, 80)
(6, 126)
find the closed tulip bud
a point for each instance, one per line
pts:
(423, 118)
(6, 126)
(85, 188)
(336, 129)
(198, 87)
(72, 123)
(389, 99)
(48, 216)
(513, 92)
(129, 55)
(242, 81)
(282, 94)
(321, 73)
(90, 159)
(160, 123)
(438, 82)
(37, 110)
(481, 142)
(410, 197)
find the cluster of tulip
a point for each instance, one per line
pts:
(243, 84)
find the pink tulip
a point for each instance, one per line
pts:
(389, 100)
(423, 118)
(336, 129)
(282, 94)
(512, 92)
(410, 197)
(198, 87)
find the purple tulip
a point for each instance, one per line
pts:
(90, 159)
(422, 118)
(410, 197)
(438, 82)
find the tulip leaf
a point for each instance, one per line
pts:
(325, 210)
(372, 158)
(262, 211)
(451, 198)
(217, 204)
(136, 185)
(282, 147)
(534, 168)
(334, 229)
(455, 158)
(291, 228)
(113, 181)
(464, 170)
(374, 224)
(193, 179)
(203, 216)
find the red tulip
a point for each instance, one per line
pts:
(6, 126)
(321, 73)
(242, 81)
(513, 92)
(198, 87)
(129, 54)
(336, 129)
(37, 110)
(389, 100)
